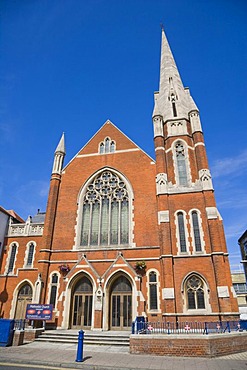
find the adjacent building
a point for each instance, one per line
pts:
(239, 284)
(242, 241)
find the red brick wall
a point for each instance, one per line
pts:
(188, 346)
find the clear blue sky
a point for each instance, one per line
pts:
(69, 65)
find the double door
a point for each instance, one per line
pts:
(82, 311)
(121, 311)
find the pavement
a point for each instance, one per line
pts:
(111, 357)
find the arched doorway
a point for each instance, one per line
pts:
(121, 304)
(82, 304)
(24, 297)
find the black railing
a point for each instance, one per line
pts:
(185, 327)
(21, 324)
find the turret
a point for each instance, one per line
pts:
(59, 157)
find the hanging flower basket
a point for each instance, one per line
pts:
(64, 269)
(140, 266)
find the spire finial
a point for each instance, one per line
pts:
(61, 145)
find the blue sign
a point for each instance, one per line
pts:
(39, 311)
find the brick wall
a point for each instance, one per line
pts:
(189, 346)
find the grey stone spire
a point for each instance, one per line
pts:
(173, 100)
(59, 156)
(61, 145)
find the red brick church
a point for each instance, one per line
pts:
(124, 234)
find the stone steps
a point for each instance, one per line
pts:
(91, 338)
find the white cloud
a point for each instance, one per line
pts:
(230, 165)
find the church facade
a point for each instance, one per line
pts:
(124, 234)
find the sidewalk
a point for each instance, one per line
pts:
(109, 358)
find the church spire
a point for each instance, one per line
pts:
(59, 156)
(172, 100)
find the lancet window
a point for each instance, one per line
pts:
(107, 146)
(153, 296)
(53, 293)
(181, 164)
(181, 230)
(105, 213)
(30, 255)
(196, 231)
(12, 258)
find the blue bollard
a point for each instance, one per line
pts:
(79, 356)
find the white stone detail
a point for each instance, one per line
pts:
(26, 229)
(168, 293)
(176, 128)
(139, 294)
(158, 126)
(98, 299)
(212, 213)
(206, 179)
(163, 216)
(37, 289)
(223, 291)
(233, 292)
(161, 183)
(195, 121)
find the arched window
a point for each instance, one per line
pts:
(181, 164)
(195, 293)
(30, 255)
(196, 231)
(107, 146)
(153, 297)
(53, 292)
(105, 214)
(181, 231)
(12, 258)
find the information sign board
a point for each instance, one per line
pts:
(39, 311)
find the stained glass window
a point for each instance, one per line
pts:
(105, 213)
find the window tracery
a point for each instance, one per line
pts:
(195, 293)
(107, 146)
(105, 214)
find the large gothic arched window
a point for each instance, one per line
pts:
(105, 212)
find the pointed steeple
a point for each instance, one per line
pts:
(61, 145)
(172, 100)
(59, 156)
